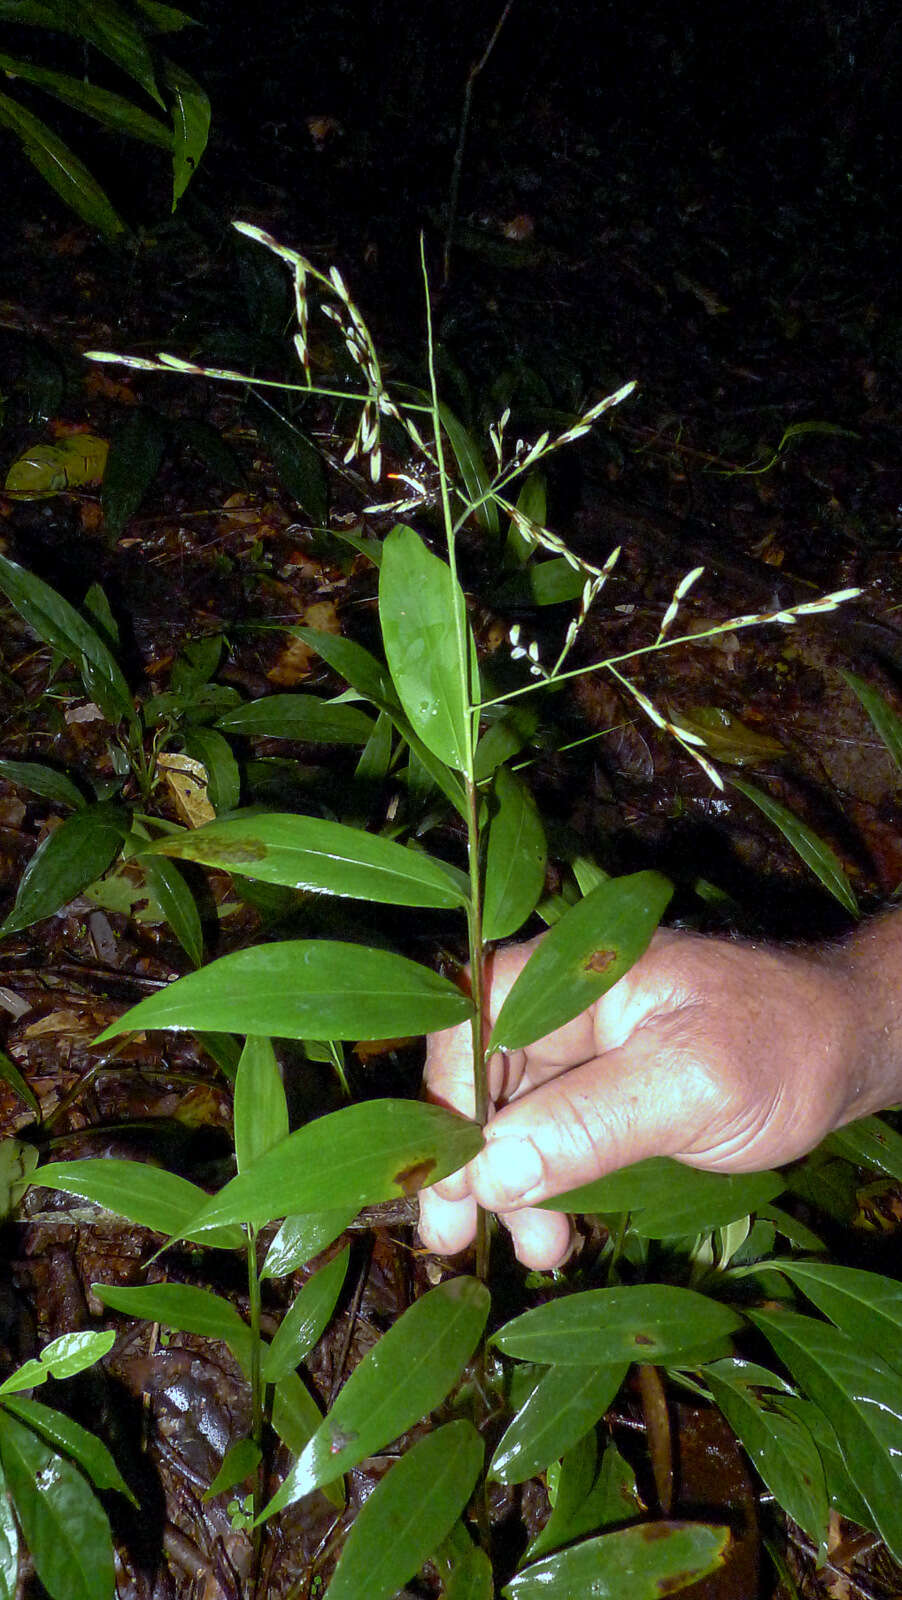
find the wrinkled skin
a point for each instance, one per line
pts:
(731, 1057)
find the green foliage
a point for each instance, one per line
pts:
(48, 1464)
(830, 1433)
(123, 33)
(409, 1513)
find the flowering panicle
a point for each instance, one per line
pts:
(375, 402)
(682, 588)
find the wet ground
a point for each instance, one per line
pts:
(749, 285)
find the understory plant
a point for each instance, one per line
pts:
(123, 34)
(697, 1275)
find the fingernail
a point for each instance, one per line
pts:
(515, 1167)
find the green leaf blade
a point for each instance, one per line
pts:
(305, 1320)
(69, 859)
(146, 1195)
(61, 168)
(178, 906)
(863, 1305)
(515, 858)
(303, 717)
(666, 1198)
(368, 1152)
(638, 1563)
(862, 1400)
(585, 953)
(304, 989)
(259, 1109)
(408, 1514)
(317, 856)
(9, 1543)
(781, 1449)
(71, 1439)
(303, 1236)
(182, 1307)
(817, 855)
(422, 611)
(886, 721)
(565, 1404)
(402, 1379)
(655, 1323)
(60, 625)
(64, 1526)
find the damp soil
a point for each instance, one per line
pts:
(625, 220)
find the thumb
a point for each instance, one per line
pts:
(632, 1102)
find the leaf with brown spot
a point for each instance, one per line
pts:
(410, 1180)
(592, 945)
(600, 960)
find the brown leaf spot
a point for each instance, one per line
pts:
(600, 960)
(411, 1179)
(227, 850)
(642, 1338)
(651, 1531)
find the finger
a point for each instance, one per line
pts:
(542, 1239)
(455, 1187)
(448, 1074)
(446, 1226)
(642, 1100)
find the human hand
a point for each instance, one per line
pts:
(731, 1057)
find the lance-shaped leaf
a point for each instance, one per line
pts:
(353, 662)
(240, 1460)
(589, 1496)
(259, 1107)
(780, 1447)
(363, 1154)
(408, 1514)
(302, 1237)
(515, 858)
(666, 1198)
(61, 168)
(64, 1526)
(178, 906)
(371, 678)
(472, 469)
(862, 1400)
(645, 1322)
(592, 945)
(885, 719)
(304, 989)
(305, 1319)
(146, 1195)
(639, 1563)
(62, 1358)
(112, 110)
(319, 856)
(190, 125)
(71, 1439)
(9, 1544)
(816, 854)
(181, 1306)
(864, 1305)
(869, 1142)
(60, 625)
(841, 1491)
(564, 1405)
(465, 1568)
(70, 858)
(423, 616)
(299, 716)
(45, 781)
(400, 1380)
